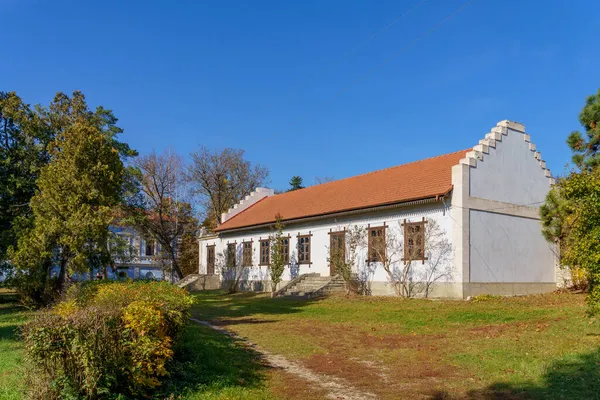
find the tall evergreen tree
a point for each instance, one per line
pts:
(586, 146)
(74, 203)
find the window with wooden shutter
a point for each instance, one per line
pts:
(304, 249)
(246, 254)
(285, 248)
(265, 250)
(210, 259)
(377, 246)
(414, 241)
(231, 256)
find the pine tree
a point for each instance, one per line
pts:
(296, 183)
(586, 146)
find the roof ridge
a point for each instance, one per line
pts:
(373, 172)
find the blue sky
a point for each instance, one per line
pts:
(270, 76)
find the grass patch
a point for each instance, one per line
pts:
(11, 349)
(210, 365)
(524, 347)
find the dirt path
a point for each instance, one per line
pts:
(337, 388)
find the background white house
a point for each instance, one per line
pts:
(484, 202)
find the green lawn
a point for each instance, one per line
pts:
(11, 350)
(208, 365)
(524, 347)
(510, 348)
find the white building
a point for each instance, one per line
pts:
(140, 257)
(484, 201)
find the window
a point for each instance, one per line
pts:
(231, 255)
(246, 254)
(210, 259)
(414, 243)
(264, 252)
(285, 247)
(150, 248)
(337, 250)
(304, 249)
(377, 250)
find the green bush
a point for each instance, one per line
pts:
(106, 339)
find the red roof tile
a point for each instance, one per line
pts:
(417, 180)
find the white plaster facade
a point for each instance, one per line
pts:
(490, 219)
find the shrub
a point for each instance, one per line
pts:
(579, 278)
(106, 338)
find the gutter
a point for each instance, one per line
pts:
(428, 200)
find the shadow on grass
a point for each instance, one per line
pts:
(213, 304)
(207, 363)
(573, 377)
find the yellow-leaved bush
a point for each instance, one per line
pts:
(106, 337)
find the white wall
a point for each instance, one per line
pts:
(320, 241)
(510, 173)
(506, 248)
(497, 194)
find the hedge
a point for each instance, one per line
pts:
(105, 340)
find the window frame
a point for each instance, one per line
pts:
(228, 256)
(332, 236)
(285, 248)
(378, 257)
(411, 235)
(210, 249)
(260, 252)
(247, 258)
(299, 237)
(151, 242)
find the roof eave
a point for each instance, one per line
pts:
(406, 203)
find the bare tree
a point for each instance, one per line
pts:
(162, 214)
(415, 268)
(438, 252)
(323, 179)
(222, 178)
(233, 269)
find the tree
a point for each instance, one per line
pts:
(188, 252)
(25, 136)
(162, 212)
(438, 253)
(73, 206)
(586, 146)
(23, 152)
(402, 264)
(277, 265)
(571, 214)
(571, 219)
(295, 183)
(222, 178)
(319, 180)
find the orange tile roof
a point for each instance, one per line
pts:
(413, 181)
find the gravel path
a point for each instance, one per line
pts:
(337, 388)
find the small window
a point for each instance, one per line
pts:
(285, 246)
(231, 255)
(150, 248)
(210, 259)
(265, 252)
(247, 254)
(414, 242)
(377, 247)
(304, 249)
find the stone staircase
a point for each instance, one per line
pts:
(312, 285)
(187, 280)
